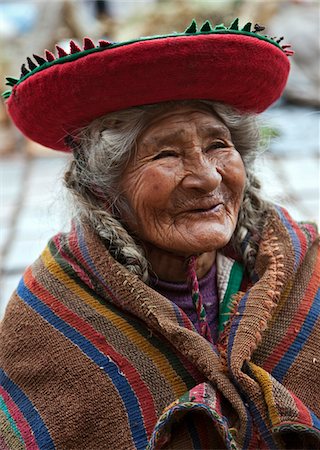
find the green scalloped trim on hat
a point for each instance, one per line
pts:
(6, 94)
(89, 47)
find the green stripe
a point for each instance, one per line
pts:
(10, 419)
(158, 344)
(234, 283)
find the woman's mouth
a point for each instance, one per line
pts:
(213, 209)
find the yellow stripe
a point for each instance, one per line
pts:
(265, 383)
(177, 384)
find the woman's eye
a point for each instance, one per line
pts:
(165, 154)
(217, 145)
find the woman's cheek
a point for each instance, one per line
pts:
(233, 172)
(149, 189)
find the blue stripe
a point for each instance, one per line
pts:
(29, 412)
(248, 435)
(178, 314)
(85, 252)
(234, 325)
(233, 329)
(294, 238)
(105, 363)
(283, 365)
(315, 420)
(265, 433)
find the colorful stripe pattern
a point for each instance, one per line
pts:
(204, 401)
(172, 372)
(279, 318)
(86, 343)
(22, 417)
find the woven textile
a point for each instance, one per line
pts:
(92, 358)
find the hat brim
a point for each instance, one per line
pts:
(245, 72)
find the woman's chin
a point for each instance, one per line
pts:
(193, 239)
(197, 246)
(208, 240)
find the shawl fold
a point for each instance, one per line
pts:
(91, 357)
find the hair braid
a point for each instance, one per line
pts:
(90, 209)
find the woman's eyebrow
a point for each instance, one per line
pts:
(214, 131)
(166, 138)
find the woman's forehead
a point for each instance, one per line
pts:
(176, 123)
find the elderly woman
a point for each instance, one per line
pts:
(182, 310)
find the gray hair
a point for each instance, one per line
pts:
(104, 148)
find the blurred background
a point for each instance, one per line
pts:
(32, 199)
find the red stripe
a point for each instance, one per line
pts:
(143, 395)
(75, 266)
(20, 421)
(185, 319)
(76, 250)
(197, 392)
(73, 243)
(303, 310)
(218, 403)
(304, 414)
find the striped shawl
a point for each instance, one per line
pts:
(92, 358)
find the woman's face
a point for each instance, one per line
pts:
(185, 184)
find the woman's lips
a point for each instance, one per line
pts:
(212, 209)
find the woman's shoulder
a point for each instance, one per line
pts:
(287, 219)
(280, 223)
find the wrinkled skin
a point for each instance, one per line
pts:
(185, 187)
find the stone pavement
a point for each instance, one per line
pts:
(34, 207)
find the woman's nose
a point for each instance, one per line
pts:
(202, 175)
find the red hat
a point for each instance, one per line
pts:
(57, 96)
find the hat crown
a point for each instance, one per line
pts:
(67, 91)
(89, 47)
